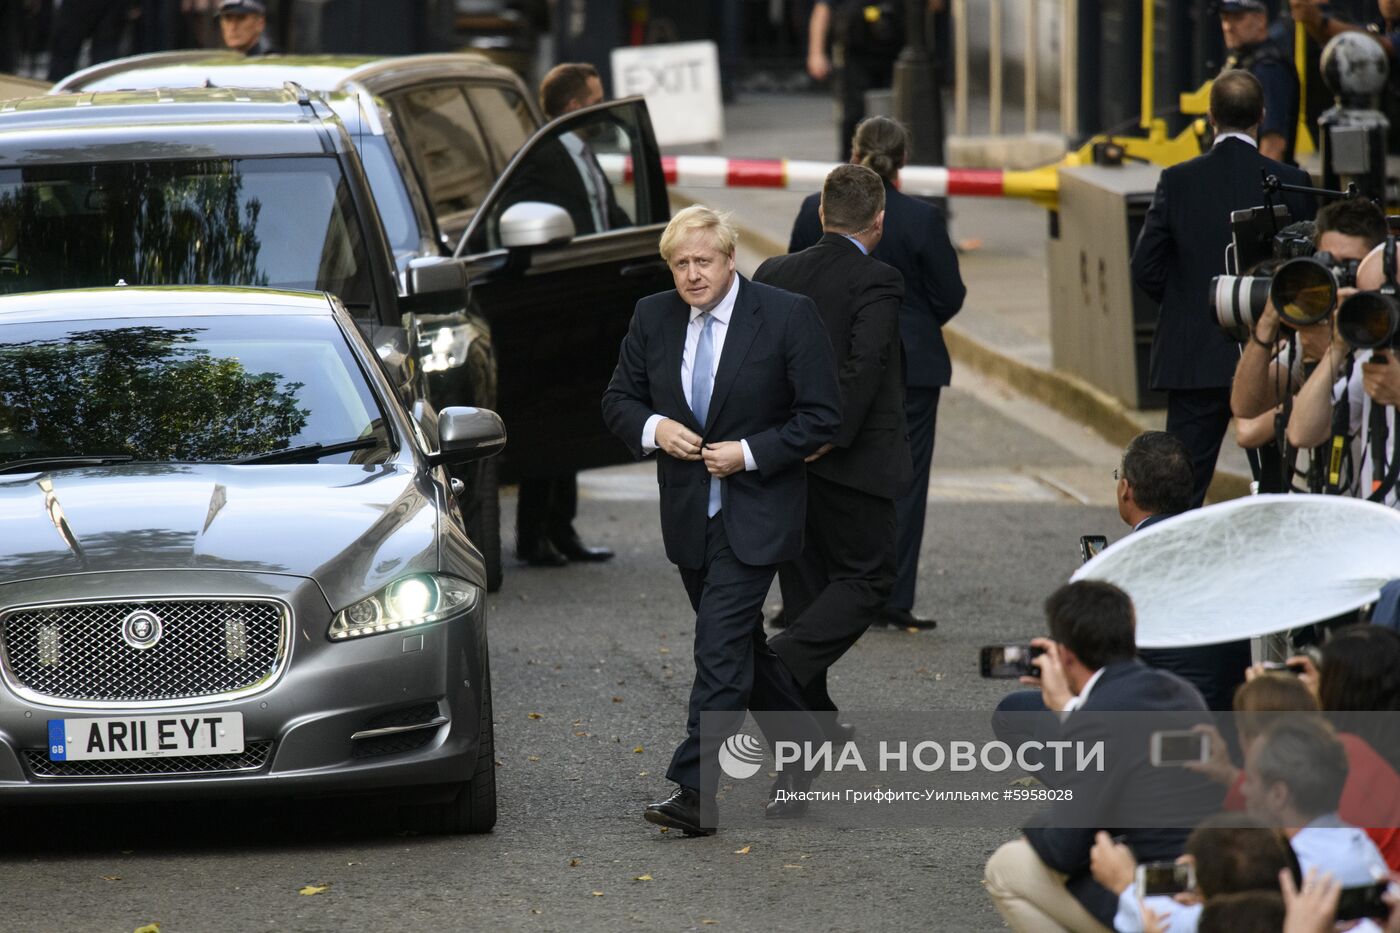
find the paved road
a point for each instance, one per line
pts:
(601, 654)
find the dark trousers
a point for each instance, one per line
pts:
(1199, 418)
(102, 21)
(856, 76)
(921, 414)
(839, 585)
(735, 670)
(546, 508)
(1215, 670)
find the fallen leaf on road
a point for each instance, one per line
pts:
(792, 866)
(149, 928)
(111, 877)
(664, 650)
(310, 889)
(708, 923)
(578, 722)
(642, 878)
(573, 863)
(536, 716)
(638, 750)
(533, 758)
(583, 734)
(921, 670)
(617, 699)
(744, 850)
(597, 893)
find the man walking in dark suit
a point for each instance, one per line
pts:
(732, 385)
(565, 172)
(915, 243)
(1182, 245)
(844, 576)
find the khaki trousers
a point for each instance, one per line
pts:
(1031, 896)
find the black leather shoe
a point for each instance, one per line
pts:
(540, 552)
(903, 618)
(840, 732)
(574, 549)
(680, 811)
(787, 809)
(780, 619)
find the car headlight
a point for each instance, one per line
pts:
(419, 599)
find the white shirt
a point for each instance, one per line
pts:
(1360, 416)
(1329, 844)
(587, 170)
(1240, 136)
(721, 313)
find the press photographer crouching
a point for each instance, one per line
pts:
(1042, 880)
(1280, 351)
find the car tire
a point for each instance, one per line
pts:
(472, 808)
(484, 528)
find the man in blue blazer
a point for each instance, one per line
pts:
(1182, 246)
(1042, 880)
(731, 385)
(915, 242)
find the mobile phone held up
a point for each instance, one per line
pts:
(1173, 748)
(1296, 668)
(1164, 879)
(1004, 662)
(1090, 545)
(1363, 902)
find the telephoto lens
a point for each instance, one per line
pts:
(1369, 320)
(1237, 301)
(1304, 291)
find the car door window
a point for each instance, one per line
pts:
(581, 164)
(448, 149)
(505, 117)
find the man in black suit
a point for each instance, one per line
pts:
(1042, 881)
(915, 242)
(1155, 483)
(732, 385)
(1182, 246)
(841, 582)
(563, 171)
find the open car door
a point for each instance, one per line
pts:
(558, 254)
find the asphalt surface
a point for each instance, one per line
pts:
(601, 654)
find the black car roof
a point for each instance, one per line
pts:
(163, 123)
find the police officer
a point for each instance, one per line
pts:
(1245, 24)
(243, 24)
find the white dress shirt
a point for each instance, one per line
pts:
(587, 170)
(1079, 699)
(718, 330)
(1242, 137)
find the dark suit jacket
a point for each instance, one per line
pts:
(775, 387)
(916, 243)
(858, 298)
(551, 175)
(1182, 245)
(1130, 785)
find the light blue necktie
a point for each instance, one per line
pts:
(702, 383)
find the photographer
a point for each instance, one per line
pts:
(1376, 380)
(1043, 879)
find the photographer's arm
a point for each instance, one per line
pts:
(1256, 386)
(1311, 421)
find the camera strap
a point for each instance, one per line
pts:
(1339, 447)
(1385, 470)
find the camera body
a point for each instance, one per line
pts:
(1371, 320)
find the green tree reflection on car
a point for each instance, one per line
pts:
(140, 390)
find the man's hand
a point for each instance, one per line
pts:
(1218, 767)
(678, 440)
(1306, 12)
(1054, 685)
(1382, 380)
(1266, 329)
(1112, 863)
(822, 451)
(818, 66)
(1313, 909)
(724, 458)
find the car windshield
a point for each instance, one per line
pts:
(186, 389)
(286, 223)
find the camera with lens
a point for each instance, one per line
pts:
(1303, 290)
(1371, 320)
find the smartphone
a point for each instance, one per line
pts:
(1009, 661)
(1362, 902)
(1295, 668)
(1178, 747)
(1163, 879)
(1090, 545)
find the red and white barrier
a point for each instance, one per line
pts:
(794, 175)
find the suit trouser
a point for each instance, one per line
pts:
(1199, 418)
(1215, 670)
(735, 670)
(546, 508)
(857, 74)
(921, 414)
(838, 586)
(1032, 896)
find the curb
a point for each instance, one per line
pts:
(1065, 393)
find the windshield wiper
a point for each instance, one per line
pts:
(310, 452)
(36, 464)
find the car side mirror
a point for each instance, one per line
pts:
(466, 434)
(434, 284)
(532, 224)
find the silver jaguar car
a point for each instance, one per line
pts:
(228, 561)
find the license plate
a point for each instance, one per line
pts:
(146, 736)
